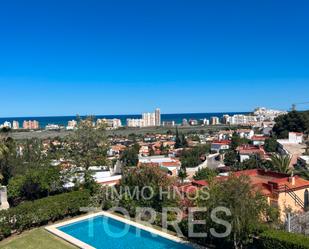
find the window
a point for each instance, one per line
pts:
(306, 199)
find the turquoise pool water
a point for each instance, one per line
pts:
(106, 233)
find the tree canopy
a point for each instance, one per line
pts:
(246, 205)
(294, 121)
(193, 157)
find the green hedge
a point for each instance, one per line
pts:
(274, 239)
(40, 212)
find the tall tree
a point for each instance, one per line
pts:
(293, 121)
(178, 143)
(86, 147)
(182, 174)
(271, 145)
(246, 206)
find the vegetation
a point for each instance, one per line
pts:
(182, 174)
(230, 158)
(194, 157)
(87, 147)
(35, 184)
(237, 141)
(246, 209)
(37, 238)
(281, 163)
(293, 121)
(273, 239)
(37, 213)
(155, 179)
(132, 189)
(205, 174)
(271, 145)
(180, 140)
(129, 157)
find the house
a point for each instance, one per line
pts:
(116, 149)
(225, 135)
(217, 146)
(285, 192)
(281, 190)
(171, 164)
(245, 133)
(258, 140)
(294, 138)
(245, 151)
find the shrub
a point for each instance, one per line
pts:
(275, 239)
(40, 212)
(5, 230)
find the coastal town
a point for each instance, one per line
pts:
(273, 157)
(260, 116)
(154, 124)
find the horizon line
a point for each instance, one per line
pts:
(87, 115)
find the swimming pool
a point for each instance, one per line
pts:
(111, 232)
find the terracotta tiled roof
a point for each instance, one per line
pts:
(224, 142)
(258, 138)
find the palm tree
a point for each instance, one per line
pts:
(281, 163)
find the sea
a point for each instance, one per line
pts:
(63, 120)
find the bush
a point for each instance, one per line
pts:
(40, 212)
(5, 230)
(274, 239)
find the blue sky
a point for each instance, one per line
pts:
(121, 57)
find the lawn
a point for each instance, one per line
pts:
(35, 239)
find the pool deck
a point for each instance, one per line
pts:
(55, 231)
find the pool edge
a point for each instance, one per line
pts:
(53, 229)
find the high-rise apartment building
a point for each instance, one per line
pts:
(15, 125)
(149, 119)
(31, 125)
(214, 121)
(158, 117)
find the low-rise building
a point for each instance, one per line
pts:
(246, 151)
(287, 193)
(218, 146)
(72, 124)
(114, 123)
(52, 127)
(245, 133)
(135, 122)
(171, 164)
(281, 190)
(258, 140)
(168, 123)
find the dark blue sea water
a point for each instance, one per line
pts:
(63, 120)
(106, 233)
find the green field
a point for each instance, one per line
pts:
(35, 239)
(125, 131)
